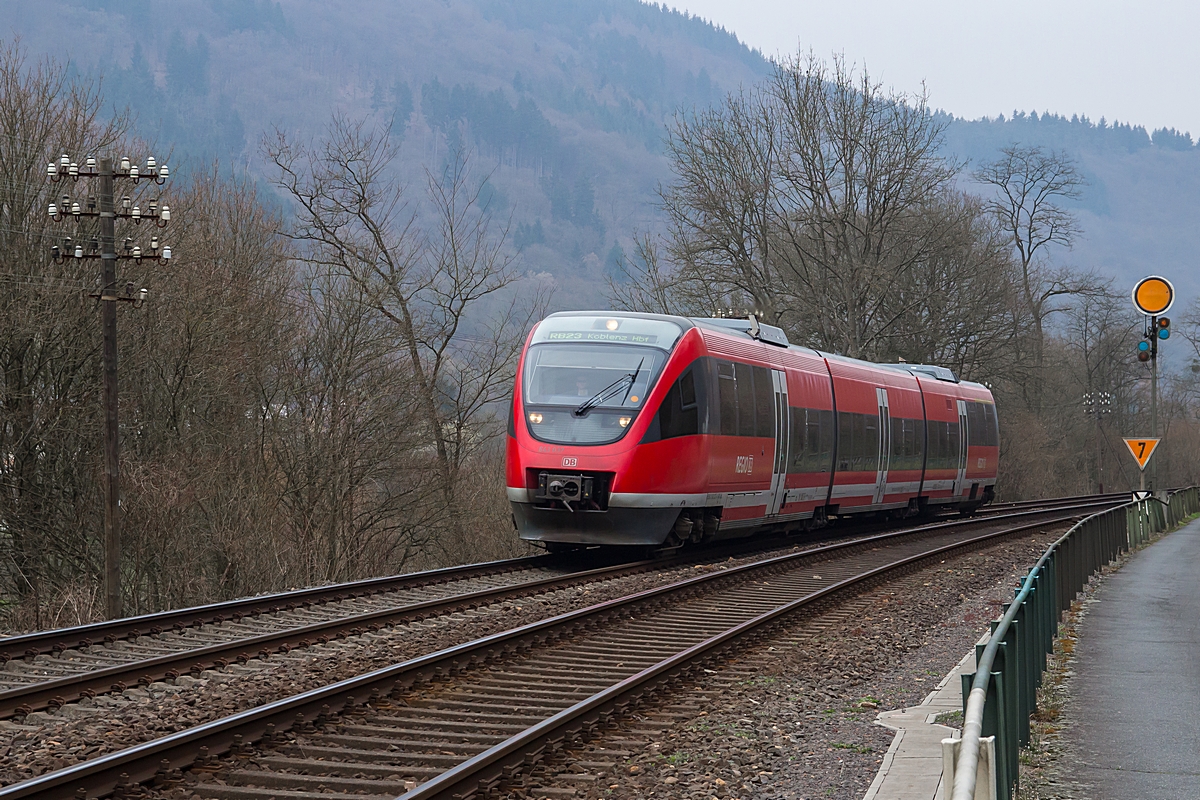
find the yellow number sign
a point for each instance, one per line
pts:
(1142, 449)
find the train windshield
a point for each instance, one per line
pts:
(586, 379)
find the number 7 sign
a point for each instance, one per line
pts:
(1142, 449)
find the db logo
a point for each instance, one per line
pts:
(745, 465)
(570, 462)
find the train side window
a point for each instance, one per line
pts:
(811, 440)
(869, 452)
(764, 402)
(683, 419)
(975, 432)
(683, 411)
(914, 440)
(943, 445)
(918, 444)
(992, 424)
(727, 398)
(845, 441)
(825, 434)
(858, 442)
(981, 419)
(899, 452)
(798, 441)
(687, 390)
(745, 399)
(904, 444)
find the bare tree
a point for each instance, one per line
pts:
(644, 285)
(1031, 186)
(823, 205)
(722, 208)
(859, 170)
(433, 273)
(952, 307)
(49, 380)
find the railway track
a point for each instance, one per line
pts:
(50, 669)
(487, 712)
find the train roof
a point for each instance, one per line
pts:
(752, 329)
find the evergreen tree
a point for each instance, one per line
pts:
(402, 103)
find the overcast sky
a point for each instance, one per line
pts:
(1136, 62)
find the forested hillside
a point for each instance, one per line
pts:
(330, 404)
(565, 103)
(1138, 209)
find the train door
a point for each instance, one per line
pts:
(885, 444)
(960, 483)
(778, 492)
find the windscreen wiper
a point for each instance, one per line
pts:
(633, 380)
(608, 391)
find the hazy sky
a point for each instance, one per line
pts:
(1136, 62)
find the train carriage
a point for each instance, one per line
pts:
(644, 429)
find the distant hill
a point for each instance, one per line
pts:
(1140, 211)
(565, 103)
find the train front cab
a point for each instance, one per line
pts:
(586, 468)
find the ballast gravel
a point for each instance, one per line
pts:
(46, 741)
(790, 720)
(795, 718)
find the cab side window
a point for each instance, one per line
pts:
(684, 410)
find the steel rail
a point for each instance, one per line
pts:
(141, 762)
(59, 639)
(487, 768)
(1047, 501)
(56, 692)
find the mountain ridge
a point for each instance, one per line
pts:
(565, 104)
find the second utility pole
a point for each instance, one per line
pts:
(108, 321)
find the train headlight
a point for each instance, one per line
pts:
(535, 417)
(612, 324)
(624, 421)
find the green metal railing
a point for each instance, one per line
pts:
(1002, 693)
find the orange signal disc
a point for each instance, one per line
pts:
(1153, 295)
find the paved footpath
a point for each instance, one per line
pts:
(1135, 697)
(912, 768)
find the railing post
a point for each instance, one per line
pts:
(1017, 684)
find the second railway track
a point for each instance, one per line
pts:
(48, 670)
(500, 704)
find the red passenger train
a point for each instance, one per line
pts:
(647, 429)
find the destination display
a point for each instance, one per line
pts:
(601, 336)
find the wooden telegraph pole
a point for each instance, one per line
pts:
(108, 212)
